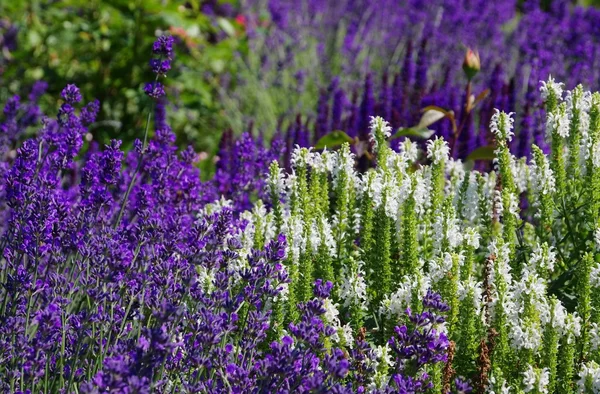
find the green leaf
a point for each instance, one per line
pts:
(482, 153)
(423, 133)
(430, 116)
(335, 138)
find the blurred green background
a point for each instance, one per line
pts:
(104, 47)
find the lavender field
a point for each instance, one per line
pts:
(277, 196)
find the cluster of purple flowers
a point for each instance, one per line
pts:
(409, 56)
(117, 274)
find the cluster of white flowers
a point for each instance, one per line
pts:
(535, 379)
(498, 386)
(343, 333)
(595, 152)
(295, 228)
(301, 157)
(323, 162)
(589, 378)
(276, 181)
(543, 257)
(470, 208)
(474, 289)
(471, 237)
(551, 87)
(578, 100)
(379, 128)
(446, 228)
(344, 161)
(572, 326)
(396, 304)
(501, 125)
(542, 177)
(353, 290)
(421, 191)
(320, 234)
(594, 337)
(409, 150)
(559, 122)
(437, 150)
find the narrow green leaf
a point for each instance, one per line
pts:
(482, 153)
(335, 138)
(423, 133)
(430, 116)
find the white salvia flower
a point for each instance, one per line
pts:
(393, 195)
(295, 227)
(421, 191)
(344, 161)
(473, 288)
(397, 164)
(536, 379)
(595, 275)
(270, 227)
(551, 87)
(472, 237)
(277, 182)
(314, 237)
(594, 337)
(347, 335)
(560, 315)
(470, 209)
(284, 292)
(453, 234)
(409, 150)
(542, 257)
(589, 378)
(396, 304)
(331, 314)
(521, 174)
(455, 168)
(323, 162)
(501, 125)
(384, 354)
(572, 325)
(502, 266)
(584, 145)
(327, 235)
(524, 336)
(513, 208)
(379, 125)
(496, 387)
(542, 178)
(372, 185)
(301, 157)
(353, 290)
(439, 267)
(596, 154)
(558, 122)
(205, 277)
(437, 150)
(583, 101)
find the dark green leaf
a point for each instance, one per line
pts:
(482, 153)
(335, 138)
(423, 133)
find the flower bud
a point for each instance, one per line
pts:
(471, 64)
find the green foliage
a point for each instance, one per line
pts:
(103, 47)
